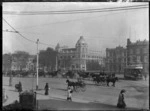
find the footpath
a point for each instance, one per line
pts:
(59, 102)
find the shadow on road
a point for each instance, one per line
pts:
(68, 105)
(92, 84)
(13, 90)
(7, 85)
(60, 89)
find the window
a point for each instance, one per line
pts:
(145, 59)
(138, 59)
(137, 51)
(122, 53)
(107, 54)
(131, 51)
(124, 59)
(134, 59)
(83, 50)
(145, 50)
(131, 60)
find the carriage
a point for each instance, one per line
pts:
(104, 79)
(78, 86)
(99, 79)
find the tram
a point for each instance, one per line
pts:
(133, 72)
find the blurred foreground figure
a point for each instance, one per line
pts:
(121, 102)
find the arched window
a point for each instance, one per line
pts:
(82, 49)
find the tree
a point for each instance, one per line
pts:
(47, 58)
(21, 57)
(93, 65)
(66, 62)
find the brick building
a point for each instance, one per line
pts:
(116, 59)
(138, 54)
(78, 57)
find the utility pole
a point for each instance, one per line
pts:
(37, 65)
(56, 62)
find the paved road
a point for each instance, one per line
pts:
(136, 96)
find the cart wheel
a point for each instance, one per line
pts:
(77, 89)
(97, 83)
(83, 89)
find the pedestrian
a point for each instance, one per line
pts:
(10, 80)
(19, 87)
(121, 102)
(46, 89)
(69, 94)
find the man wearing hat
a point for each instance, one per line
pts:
(121, 102)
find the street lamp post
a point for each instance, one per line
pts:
(37, 65)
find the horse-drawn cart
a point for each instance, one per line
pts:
(78, 86)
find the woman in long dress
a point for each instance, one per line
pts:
(46, 89)
(121, 102)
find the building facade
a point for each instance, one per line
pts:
(6, 63)
(116, 59)
(26, 65)
(78, 57)
(31, 66)
(138, 54)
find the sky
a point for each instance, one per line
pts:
(100, 30)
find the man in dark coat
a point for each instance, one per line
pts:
(10, 80)
(46, 89)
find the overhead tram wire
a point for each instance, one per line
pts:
(93, 17)
(87, 37)
(19, 33)
(15, 31)
(76, 12)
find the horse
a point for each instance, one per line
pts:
(71, 83)
(113, 80)
(98, 79)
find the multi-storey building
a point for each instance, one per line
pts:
(6, 62)
(26, 65)
(78, 57)
(31, 66)
(15, 65)
(116, 59)
(138, 54)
